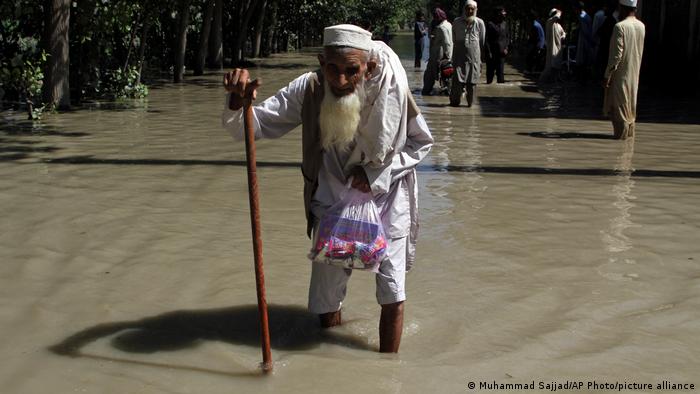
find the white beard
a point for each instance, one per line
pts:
(339, 117)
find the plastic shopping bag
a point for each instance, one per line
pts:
(350, 234)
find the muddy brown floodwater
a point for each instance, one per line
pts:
(547, 250)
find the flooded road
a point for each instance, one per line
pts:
(547, 250)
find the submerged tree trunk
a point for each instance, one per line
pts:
(238, 48)
(57, 88)
(259, 29)
(132, 43)
(270, 46)
(204, 37)
(216, 53)
(181, 43)
(142, 45)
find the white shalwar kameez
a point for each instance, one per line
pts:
(624, 64)
(388, 147)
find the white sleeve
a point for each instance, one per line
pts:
(274, 117)
(482, 34)
(384, 123)
(419, 141)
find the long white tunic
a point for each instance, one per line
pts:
(624, 63)
(555, 36)
(469, 39)
(441, 44)
(388, 145)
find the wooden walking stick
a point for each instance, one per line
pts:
(255, 227)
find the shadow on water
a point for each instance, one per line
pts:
(14, 146)
(434, 105)
(523, 170)
(291, 328)
(568, 135)
(206, 80)
(166, 162)
(572, 100)
(585, 103)
(13, 157)
(284, 66)
(537, 107)
(133, 105)
(27, 149)
(29, 129)
(82, 160)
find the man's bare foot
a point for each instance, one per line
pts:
(330, 319)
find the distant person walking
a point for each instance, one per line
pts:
(555, 55)
(440, 48)
(605, 32)
(497, 45)
(420, 38)
(598, 20)
(469, 35)
(586, 43)
(535, 45)
(622, 73)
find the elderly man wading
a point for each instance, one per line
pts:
(468, 33)
(359, 125)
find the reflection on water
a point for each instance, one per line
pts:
(472, 160)
(615, 238)
(114, 217)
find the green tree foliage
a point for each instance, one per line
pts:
(304, 20)
(21, 57)
(105, 35)
(116, 45)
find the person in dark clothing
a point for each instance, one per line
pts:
(420, 37)
(497, 43)
(535, 45)
(604, 33)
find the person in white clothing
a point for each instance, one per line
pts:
(555, 55)
(360, 125)
(622, 74)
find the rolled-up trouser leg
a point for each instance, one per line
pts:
(419, 53)
(328, 285)
(470, 94)
(429, 77)
(328, 288)
(500, 70)
(456, 91)
(391, 278)
(490, 70)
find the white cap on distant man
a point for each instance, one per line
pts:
(471, 3)
(629, 3)
(554, 12)
(347, 36)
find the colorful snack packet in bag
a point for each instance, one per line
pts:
(350, 234)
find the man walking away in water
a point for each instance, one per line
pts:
(622, 73)
(497, 43)
(420, 33)
(555, 54)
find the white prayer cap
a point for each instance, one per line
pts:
(554, 12)
(471, 3)
(347, 36)
(629, 3)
